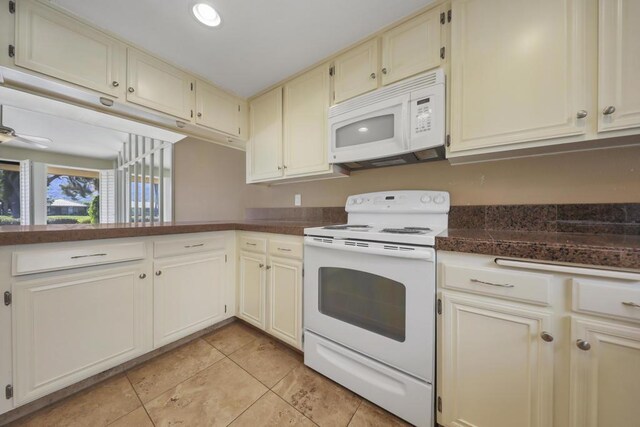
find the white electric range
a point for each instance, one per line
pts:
(369, 299)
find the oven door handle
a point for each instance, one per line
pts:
(425, 255)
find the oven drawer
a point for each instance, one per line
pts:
(396, 392)
(285, 249)
(607, 298)
(39, 261)
(528, 287)
(253, 244)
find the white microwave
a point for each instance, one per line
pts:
(398, 124)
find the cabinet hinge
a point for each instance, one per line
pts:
(302, 271)
(225, 308)
(225, 257)
(442, 18)
(238, 108)
(8, 391)
(191, 86)
(439, 404)
(442, 52)
(332, 70)
(8, 298)
(192, 114)
(439, 306)
(449, 16)
(448, 140)
(238, 131)
(12, 7)
(12, 51)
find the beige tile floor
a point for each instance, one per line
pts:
(234, 376)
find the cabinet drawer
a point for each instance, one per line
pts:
(253, 244)
(286, 249)
(606, 298)
(528, 287)
(82, 256)
(188, 246)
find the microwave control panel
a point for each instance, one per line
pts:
(423, 114)
(426, 119)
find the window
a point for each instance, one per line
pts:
(73, 196)
(9, 193)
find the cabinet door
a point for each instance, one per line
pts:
(496, 369)
(306, 104)
(217, 109)
(619, 64)
(54, 44)
(605, 374)
(188, 295)
(355, 71)
(411, 48)
(158, 85)
(518, 71)
(264, 151)
(285, 300)
(71, 326)
(252, 288)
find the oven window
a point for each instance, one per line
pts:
(366, 300)
(365, 131)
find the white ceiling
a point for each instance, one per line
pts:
(73, 130)
(259, 42)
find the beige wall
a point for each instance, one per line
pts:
(210, 181)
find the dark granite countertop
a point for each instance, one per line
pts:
(19, 235)
(611, 250)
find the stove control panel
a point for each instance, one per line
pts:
(400, 201)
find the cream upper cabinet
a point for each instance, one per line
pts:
(158, 85)
(306, 104)
(264, 153)
(605, 374)
(411, 48)
(285, 300)
(218, 109)
(356, 71)
(188, 294)
(52, 43)
(496, 369)
(619, 65)
(517, 71)
(252, 288)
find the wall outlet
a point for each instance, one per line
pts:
(297, 200)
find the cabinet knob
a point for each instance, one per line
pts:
(583, 345)
(199, 114)
(384, 71)
(581, 114)
(373, 75)
(268, 267)
(284, 166)
(143, 276)
(546, 336)
(131, 90)
(260, 265)
(115, 84)
(279, 168)
(158, 273)
(609, 110)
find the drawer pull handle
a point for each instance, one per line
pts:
(251, 244)
(631, 304)
(546, 336)
(500, 285)
(87, 256)
(194, 246)
(284, 249)
(583, 345)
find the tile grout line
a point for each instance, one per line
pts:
(139, 400)
(250, 406)
(354, 412)
(296, 409)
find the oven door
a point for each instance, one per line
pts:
(377, 301)
(373, 131)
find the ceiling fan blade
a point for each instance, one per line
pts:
(38, 139)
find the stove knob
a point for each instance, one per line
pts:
(439, 199)
(425, 199)
(359, 200)
(352, 201)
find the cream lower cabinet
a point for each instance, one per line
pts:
(496, 370)
(68, 326)
(605, 374)
(188, 295)
(270, 285)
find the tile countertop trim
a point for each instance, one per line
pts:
(22, 235)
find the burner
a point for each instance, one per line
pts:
(406, 230)
(354, 227)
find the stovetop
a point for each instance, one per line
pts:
(423, 236)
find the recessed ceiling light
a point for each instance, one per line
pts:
(363, 129)
(206, 14)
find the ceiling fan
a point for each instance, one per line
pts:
(9, 134)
